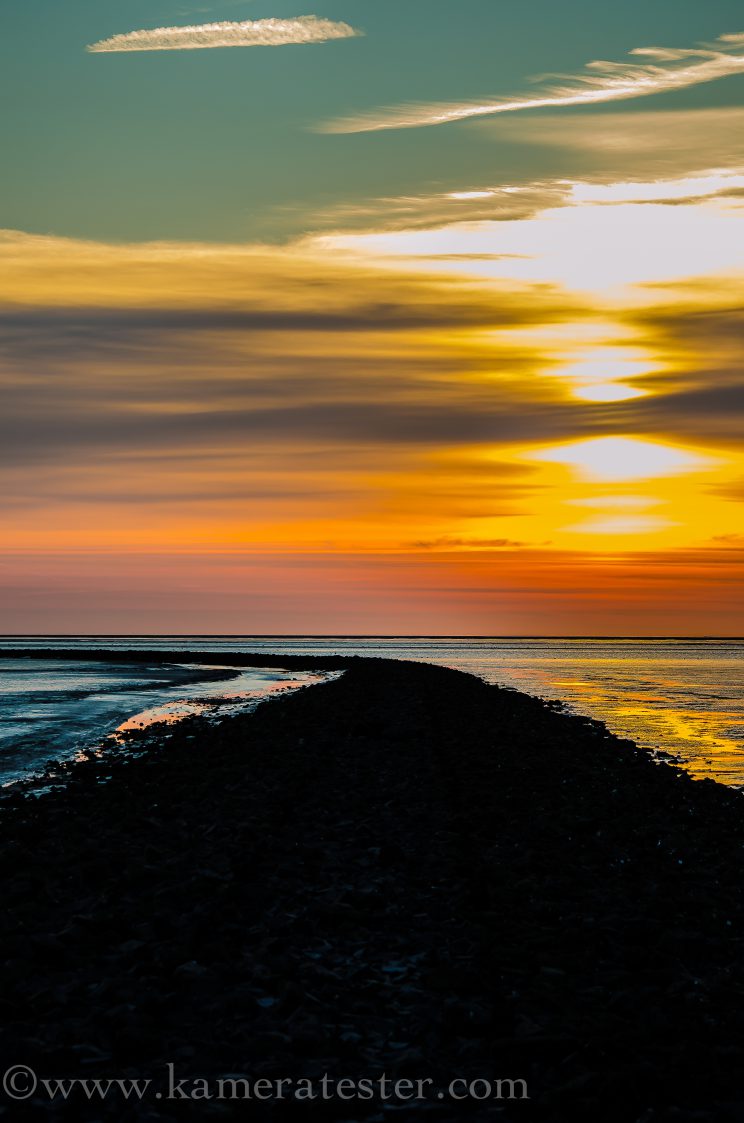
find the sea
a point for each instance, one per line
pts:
(680, 697)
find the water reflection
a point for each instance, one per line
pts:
(684, 696)
(240, 694)
(690, 706)
(62, 709)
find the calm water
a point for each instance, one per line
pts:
(52, 709)
(683, 696)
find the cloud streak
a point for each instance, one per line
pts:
(602, 81)
(281, 405)
(246, 33)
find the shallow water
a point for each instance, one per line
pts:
(684, 696)
(52, 709)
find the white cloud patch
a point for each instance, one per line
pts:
(247, 33)
(667, 69)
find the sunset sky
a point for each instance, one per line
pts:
(372, 317)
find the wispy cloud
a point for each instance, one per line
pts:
(415, 212)
(246, 33)
(668, 69)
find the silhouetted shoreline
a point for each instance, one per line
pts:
(402, 871)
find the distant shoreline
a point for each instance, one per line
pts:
(358, 635)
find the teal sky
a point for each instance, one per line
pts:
(219, 144)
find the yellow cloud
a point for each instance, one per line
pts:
(323, 397)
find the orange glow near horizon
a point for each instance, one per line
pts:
(540, 441)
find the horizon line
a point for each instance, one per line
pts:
(347, 635)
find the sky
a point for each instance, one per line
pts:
(372, 317)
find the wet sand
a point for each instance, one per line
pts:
(403, 871)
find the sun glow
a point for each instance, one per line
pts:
(608, 392)
(623, 502)
(599, 374)
(586, 247)
(486, 392)
(620, 524)
(614, 459)
(697, 187)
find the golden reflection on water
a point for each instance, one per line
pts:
(683, 697)
(224, 703)
(706, 746)
(708, 739)
(169, 713)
